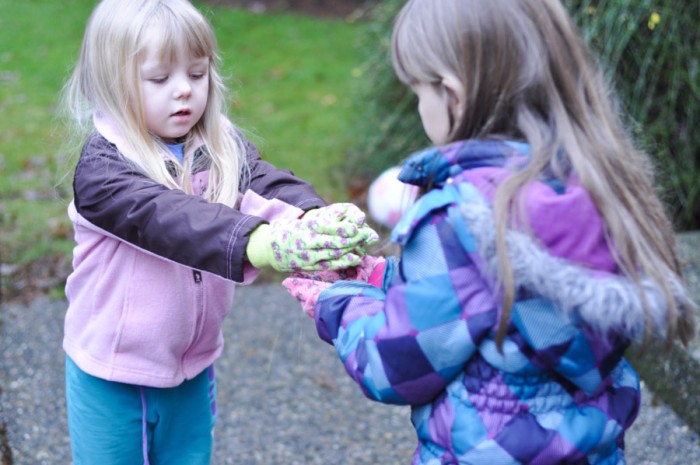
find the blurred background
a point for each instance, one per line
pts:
(312, 85)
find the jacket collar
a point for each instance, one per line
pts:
(109, 130)
(434, 166)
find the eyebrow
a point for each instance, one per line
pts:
(152, 68)
(157, 66)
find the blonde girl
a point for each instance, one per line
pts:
(537, 255)
(109, 83)
(172, 206)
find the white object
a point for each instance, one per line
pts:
(388, 198)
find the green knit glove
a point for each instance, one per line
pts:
(318, 243)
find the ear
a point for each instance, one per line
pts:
(456, 97)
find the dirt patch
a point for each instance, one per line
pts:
(317, 8)
(22, 284)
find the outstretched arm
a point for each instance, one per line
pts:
(113, 196)
(405, 342)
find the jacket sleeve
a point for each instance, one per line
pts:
(271, 182)
(403, 344)
(113, 195)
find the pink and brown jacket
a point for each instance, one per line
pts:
(154, 269)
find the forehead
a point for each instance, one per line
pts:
(165, 41)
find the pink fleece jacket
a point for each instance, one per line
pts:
(136, 317)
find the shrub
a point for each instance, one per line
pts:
(650, 50)
(388, 127)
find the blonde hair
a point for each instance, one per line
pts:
(528, 76)
(107, 79)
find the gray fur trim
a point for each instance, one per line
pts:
(611, 302)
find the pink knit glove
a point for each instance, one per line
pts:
(306, 287)
(306, 290)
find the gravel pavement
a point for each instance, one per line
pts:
(283, 397)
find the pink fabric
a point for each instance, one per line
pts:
(306, 287)
(133, 317)
(567, 223)
(376, 278)
(138, 318)
(306, 291)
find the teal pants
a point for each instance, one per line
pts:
(122, 424)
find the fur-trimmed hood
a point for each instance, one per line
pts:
(563, 255)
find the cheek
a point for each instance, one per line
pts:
(148, 109)
(200, 100)
(422, 111)
(205, 91)
(152, 111)
(426, 117)
(148, 99)
(436, 125)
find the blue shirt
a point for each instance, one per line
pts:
(178, 150)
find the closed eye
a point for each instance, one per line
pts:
(159, 79)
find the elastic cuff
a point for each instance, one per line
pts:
(259, 246)
(306, 211)
(376, 278)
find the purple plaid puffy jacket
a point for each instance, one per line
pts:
(560, 391)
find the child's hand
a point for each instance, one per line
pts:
(306, 287)
(343, 219)
(370, 270)
(306, 290)
(348, 213)
(319, 243)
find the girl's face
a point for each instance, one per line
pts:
(434, 112)
(174, 93)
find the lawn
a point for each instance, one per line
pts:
(291, 79)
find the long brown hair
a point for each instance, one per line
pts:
(529, 76)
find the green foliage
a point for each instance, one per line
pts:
(39, 42)
(291, 76)
(388, 127)
(650, 50)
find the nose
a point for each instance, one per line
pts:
(183, 89)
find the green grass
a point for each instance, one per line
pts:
(290, 78)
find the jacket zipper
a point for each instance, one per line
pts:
(199, 312)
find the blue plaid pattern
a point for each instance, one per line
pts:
(556, 393)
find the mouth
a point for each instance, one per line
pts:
(183, 112)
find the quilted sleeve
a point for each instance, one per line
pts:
(114, 196)
(403, 344)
